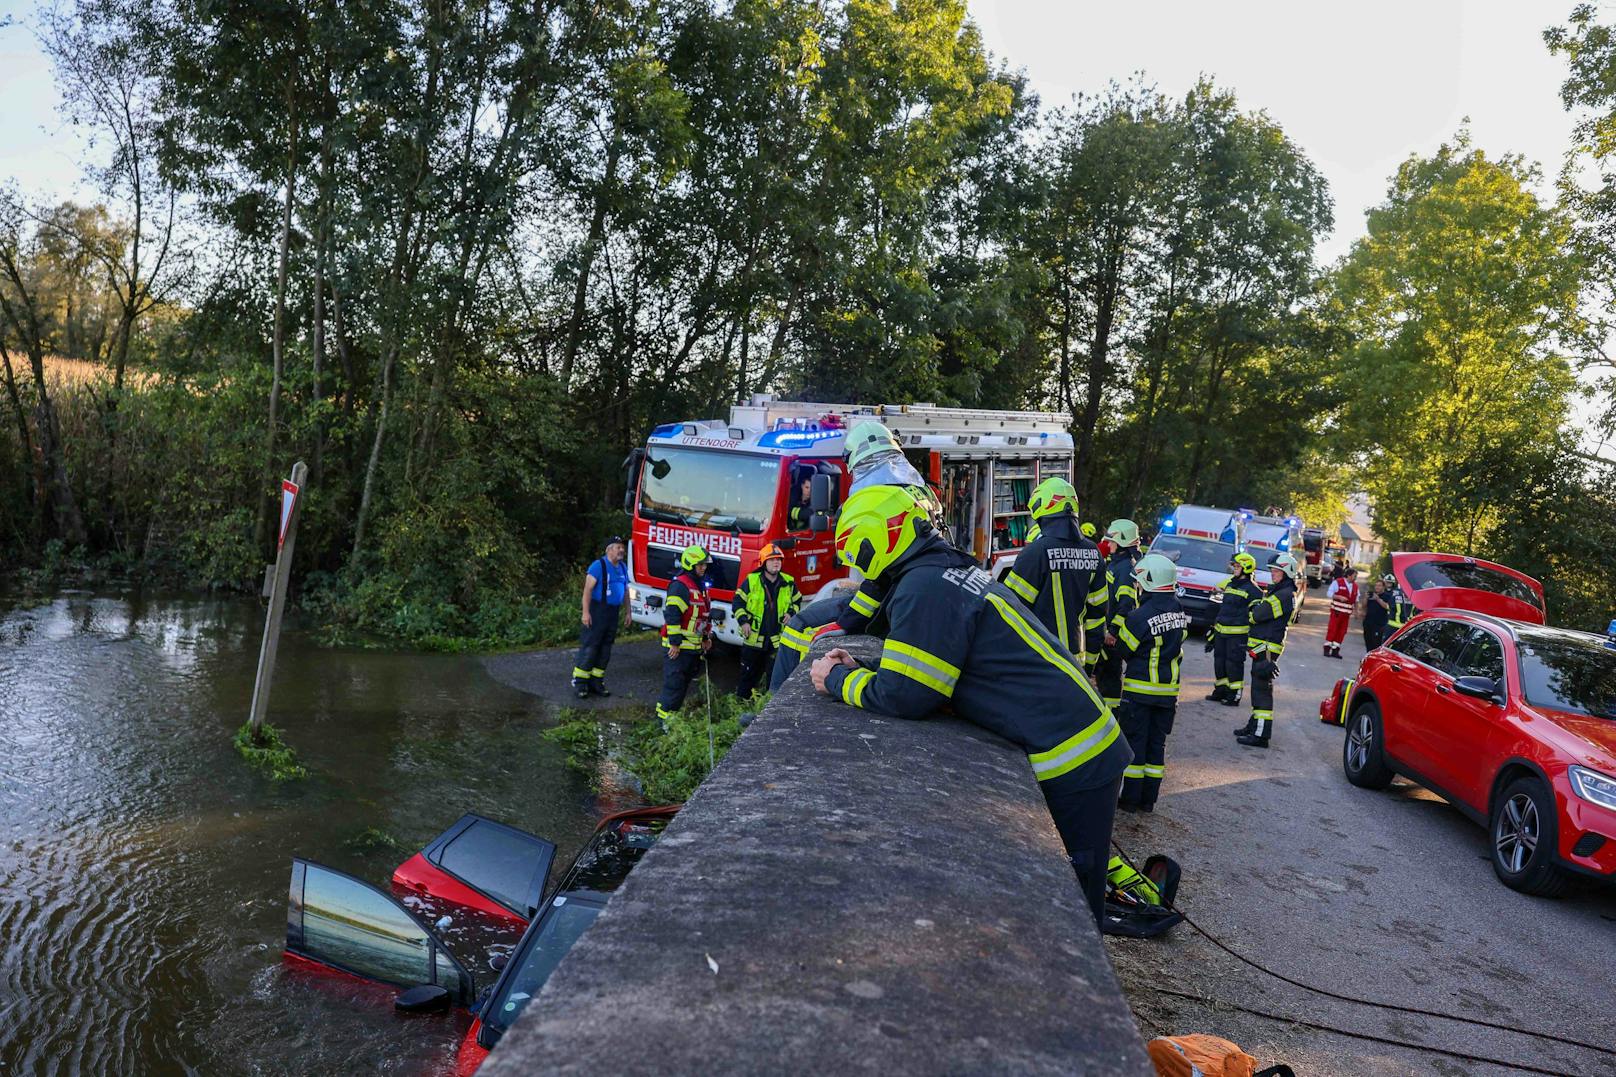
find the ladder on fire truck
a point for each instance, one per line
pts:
(912, 423)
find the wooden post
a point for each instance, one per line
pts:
(277, 595)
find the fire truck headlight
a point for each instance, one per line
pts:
(634, 596)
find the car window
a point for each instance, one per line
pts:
(1569, 672)
(1437, 644)
(505, 863)
(340, 921)
(1413, 640)
(1425, 574)
(536, 957)
(1483, 656)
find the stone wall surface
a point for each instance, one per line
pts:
(844, 894)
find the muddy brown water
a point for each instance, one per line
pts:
(144, 867)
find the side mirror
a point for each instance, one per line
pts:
(822, 497)
(631, 479)
(819, 522)
(787, 543)
(427, 998)
(1479, 688)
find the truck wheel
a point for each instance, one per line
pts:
(1362, 754)
(1524, 838)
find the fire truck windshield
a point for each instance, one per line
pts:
(709, 488)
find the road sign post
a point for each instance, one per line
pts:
(291, 501)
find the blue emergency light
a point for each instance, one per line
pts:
(798, 439)
(1169, 524)
(668, 430)
(1610, 634)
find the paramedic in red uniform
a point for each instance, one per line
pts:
(1343, 600)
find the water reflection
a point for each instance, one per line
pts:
(143, 869)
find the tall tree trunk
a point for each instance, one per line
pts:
(321, 253)
(278, 339)
(24, 437)
(586, 260)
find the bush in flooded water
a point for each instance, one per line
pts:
(668, 760)
(267, 751)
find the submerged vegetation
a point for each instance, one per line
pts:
(268, 752)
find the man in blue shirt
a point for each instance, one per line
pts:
(605, 587)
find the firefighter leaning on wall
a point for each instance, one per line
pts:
(1121, 598)
(687, 630)
(1151, 641)
(1059, 574)
(1227, 639)
(955, 636)
(1270, 616)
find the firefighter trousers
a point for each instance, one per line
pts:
(1229, 661)
(799, 631)
(595, 644)
(677, 673)
(1083, 817)
(1108, 676)
(754, 667)
(1263, 671)
(1146, 724)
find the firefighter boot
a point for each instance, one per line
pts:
(1252, 741)
(1262, 726)
(1246, 730)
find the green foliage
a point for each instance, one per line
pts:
(374, 840)
(268, 752)
(668, 761)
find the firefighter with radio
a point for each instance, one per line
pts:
(687, 629)
(764, 601)
(1270, 616)
(1151, 642)
(1227, 637)
(956, 637)
(874, 458)
(1121, 598)
(1059, 574)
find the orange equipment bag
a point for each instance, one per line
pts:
(1201, 1055)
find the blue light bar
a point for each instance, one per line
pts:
(667, 430)
(1168, 524)
(796, 439)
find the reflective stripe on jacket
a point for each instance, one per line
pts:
(1270, 616)
(1060, 576)
(1343, 596)
(686, 615)
(1234, 611)
(751, 603)
(1152, 642)
(955, 636)
(1121, 596)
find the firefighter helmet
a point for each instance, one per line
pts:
(1389, 580)
(866, 441)
(1123, 532)
(769, 552)
(1155, 573)
(1052, 497)
(1287, 564)
(1245, 561)
(878, 528)
(693, 557)
(1089, 531)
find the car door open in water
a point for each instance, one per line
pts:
(459, 902)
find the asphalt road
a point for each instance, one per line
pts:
(1387, 896)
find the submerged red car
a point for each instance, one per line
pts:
(477, 887)
(1510, 720)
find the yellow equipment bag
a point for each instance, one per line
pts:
(1201, 1055)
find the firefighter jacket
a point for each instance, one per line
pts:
(1269, 617)
(1151, 642)
(762, 608)
(1121, 596)
(1402, 610)
(1060, 576)
(955, 636)
(1234, 611)
(687, 614)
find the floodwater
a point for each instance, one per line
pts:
(144, 867)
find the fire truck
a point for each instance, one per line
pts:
(774, 473)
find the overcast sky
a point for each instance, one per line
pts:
(1359, 86)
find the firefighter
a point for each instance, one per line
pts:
(1266, 642)
(1151, 641)
(957, 637)
(1121, 598)
(1343, 595)
(1402, 608)
(1227, 637)
(1059, 574)
(605, 586)
(765, 600)
(874, 458)
(687, 629)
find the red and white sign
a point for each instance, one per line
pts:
(288, 499)
(716, 542)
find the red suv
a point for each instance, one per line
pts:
(1512, 721)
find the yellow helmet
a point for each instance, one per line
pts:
(693, 557)
(1089, 531)
(877, 527)
(1052, 497)
(1245, 561)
